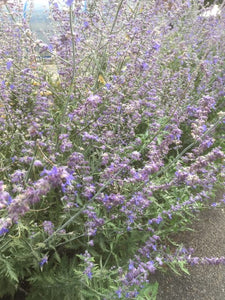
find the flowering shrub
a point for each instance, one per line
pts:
(103, 160)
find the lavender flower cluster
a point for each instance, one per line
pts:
(123, 139)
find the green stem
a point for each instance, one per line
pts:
(73, 46)
(117, 13)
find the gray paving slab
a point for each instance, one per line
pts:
(205, 282)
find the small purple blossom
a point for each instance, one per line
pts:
(89, 264)
(43, 261)
(135, 155)
(69, 2)
(156, 46)
(204, 128)
(91, 243)
(119, 293)
(38, 163)
(9, 64)
(48, 227)
(5, 198)
(3, 230)
(108, 86)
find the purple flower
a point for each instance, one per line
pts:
(156, 46)
(88, 260)
(5, 198)
(86, 24)
(38, 163)
(144, 66)
(150, 266)
(48, 227)
(135, 155)
(131, 265)
(69, 2)
(108, 86)
(3, 230)
(50, 47)
(94, 100)
(119, 293)
(9, 65)
(43, 261)
(94, 222)
(91, 243)
(18, 176)
(159, 260)
(89, 191)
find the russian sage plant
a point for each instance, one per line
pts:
(108, 147)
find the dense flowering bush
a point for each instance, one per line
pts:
(103, 160)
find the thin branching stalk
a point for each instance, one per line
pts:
(116, 16)
(73, 48)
